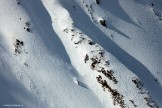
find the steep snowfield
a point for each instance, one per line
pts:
(81, 53)
(42, 71)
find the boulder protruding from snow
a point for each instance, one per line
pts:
(103, 22)
(98, 1)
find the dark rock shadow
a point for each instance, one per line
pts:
(118, 31)
(115, 9)
(126, 59)
(82, 85)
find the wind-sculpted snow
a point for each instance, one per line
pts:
(81, 53)
(98, 66)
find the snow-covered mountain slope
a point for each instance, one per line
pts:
(81, 53)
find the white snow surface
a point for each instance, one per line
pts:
(58, 54)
